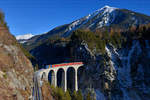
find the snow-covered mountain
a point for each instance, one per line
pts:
(103, 19)
(24, 37)
(107, 17)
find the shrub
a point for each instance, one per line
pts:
(79, 95)
(60, 94)
(88, 97)
(74, 95)
(67, 95)
(2, 19)
(5, 75)
(93, 40)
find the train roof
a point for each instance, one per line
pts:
(67, 64)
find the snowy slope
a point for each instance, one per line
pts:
(102, 17)
(105, 18)
(127, 77)
(24, 37)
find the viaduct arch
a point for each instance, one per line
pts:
(58, 74)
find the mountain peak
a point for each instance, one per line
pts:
(107, 8)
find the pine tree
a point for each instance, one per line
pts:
(60, 94)
(79, 96)
(67, 95)
(2, 19)
(88, 97)
(74, 95)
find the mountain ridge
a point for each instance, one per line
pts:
(102, 19)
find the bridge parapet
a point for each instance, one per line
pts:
(64, 64)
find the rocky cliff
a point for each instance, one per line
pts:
(16, 71)
(121, 73)
(116, 65)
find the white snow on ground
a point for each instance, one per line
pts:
(110, 54)
(74, 24)
(99, 95)
(124, 71)
(107, 16)
(22, 37)
(108, 51)
(124, 76)
(107, 9)
(23, 42)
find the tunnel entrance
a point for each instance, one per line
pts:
(51, 77)
(61, 78)
(71, 78)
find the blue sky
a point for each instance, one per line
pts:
(39, 16)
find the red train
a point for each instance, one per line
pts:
(64, 64)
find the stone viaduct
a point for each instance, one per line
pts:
(52, 71)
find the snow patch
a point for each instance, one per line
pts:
(23, 42)
(111, 55)
(24, 37)
(106, 19)
(107, 9)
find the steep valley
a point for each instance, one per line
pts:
(115, 54)
(113, 44)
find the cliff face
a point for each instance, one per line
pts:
(121, 73)
(131, 65)
(16, 71)
(46, 91)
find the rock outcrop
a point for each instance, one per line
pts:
(16, 71)
(46, 91)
